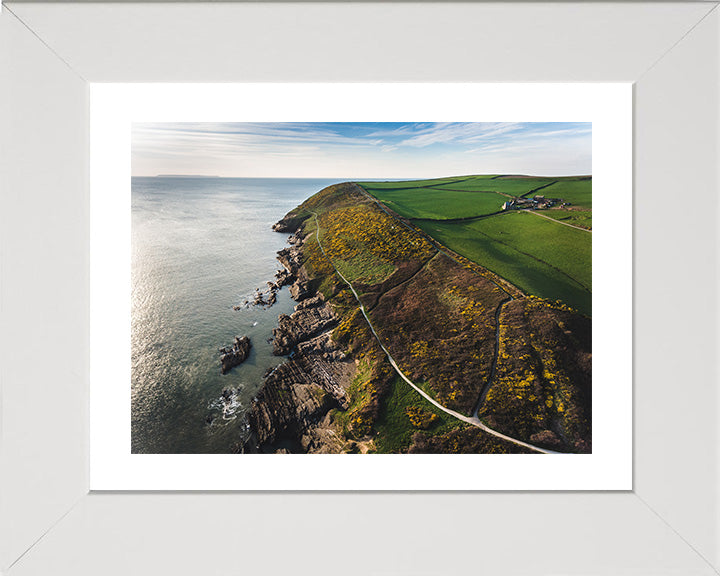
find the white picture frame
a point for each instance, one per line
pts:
(668, 523)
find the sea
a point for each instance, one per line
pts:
(201, 246)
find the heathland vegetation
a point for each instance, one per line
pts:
(488, 317)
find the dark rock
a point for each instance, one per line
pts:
(284, 277)
(231, 356)
(316, 300)
(289, 223)
(292, 411)
(306, 322)
(300, 290)
(296, 398)
(287, 403)
(290, 258)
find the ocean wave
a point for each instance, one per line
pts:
(228, 404)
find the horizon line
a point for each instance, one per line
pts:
(365, 178)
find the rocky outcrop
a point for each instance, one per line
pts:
(283, 277)
(311, 317)
(290, 258)
(289, 223)
(288, 403)
(300, 290)
(291, 274)
(231, 356)
(292, 409)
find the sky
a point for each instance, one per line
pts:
(355, 150)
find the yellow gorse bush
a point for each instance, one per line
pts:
(363, 229)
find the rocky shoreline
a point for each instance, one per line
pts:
(292, 411)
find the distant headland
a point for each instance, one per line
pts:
(185, 176)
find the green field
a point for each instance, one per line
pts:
(470, 182)
(578, 192)
(565, 248)
(438, 204)
(406, 184)
(582, 218)
(508, 186)
(540, 257)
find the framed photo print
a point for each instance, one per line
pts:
(429, 315)
(334, 265)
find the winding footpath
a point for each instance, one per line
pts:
(472, 420)
(493, 365)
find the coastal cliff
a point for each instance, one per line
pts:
(473, 343)
(292, 411)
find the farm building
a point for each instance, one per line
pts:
(532, 203)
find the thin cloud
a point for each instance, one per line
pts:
(363, 149)
(459, 133)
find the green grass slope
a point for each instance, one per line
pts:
(541, 257)
(577, 191)
(433, 203)
(503, 185)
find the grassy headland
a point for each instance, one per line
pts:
(448, 317)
